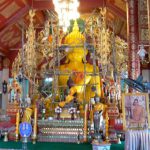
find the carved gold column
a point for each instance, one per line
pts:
(143, 15)
(133, 38)
(144, 29)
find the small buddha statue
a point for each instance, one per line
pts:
(27, 115)
(98, 113)
(28, 100)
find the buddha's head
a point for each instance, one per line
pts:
(75, 40)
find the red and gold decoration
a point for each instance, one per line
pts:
(133, 37)
(74, 68)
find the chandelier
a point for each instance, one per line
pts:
(66, 10)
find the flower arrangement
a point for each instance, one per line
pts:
(72, 111)
(58, 110)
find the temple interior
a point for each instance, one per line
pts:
(74, 74)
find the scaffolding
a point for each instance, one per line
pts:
(98, 43)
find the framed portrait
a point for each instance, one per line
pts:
(135, 111)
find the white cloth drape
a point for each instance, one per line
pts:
(137, 140)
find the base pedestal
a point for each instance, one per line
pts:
(101, 146)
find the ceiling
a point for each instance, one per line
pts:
(14, 17)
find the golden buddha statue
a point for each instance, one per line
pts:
(84, 77)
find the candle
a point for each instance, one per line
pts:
(85, 123)
(109, 97)
(17, 123)
(91, 115)
(35, 123)
(106, 125)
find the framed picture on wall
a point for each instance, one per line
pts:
(135, 110)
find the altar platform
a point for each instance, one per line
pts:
(54, 146)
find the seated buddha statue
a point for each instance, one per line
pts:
(81, 77)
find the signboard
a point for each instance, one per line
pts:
(25, 129)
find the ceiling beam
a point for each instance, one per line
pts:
(84, 7)
(27, 2)
(90, 5)
(15, 18)
(42, 5)
(13, 55)
(117, 11)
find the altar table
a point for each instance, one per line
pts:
(54, 146)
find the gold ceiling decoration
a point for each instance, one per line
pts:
(121, 55)
(43, 43)
(100, 35)
(36, 49)
(30, 61)
(26, 62)
(106, 43)
(48, 43)
(49, 40)
(16, 64)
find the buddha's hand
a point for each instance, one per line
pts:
(68, 99)
(62, 104)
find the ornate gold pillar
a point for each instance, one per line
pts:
(143, 15)
(144, 35)
(133, 39)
